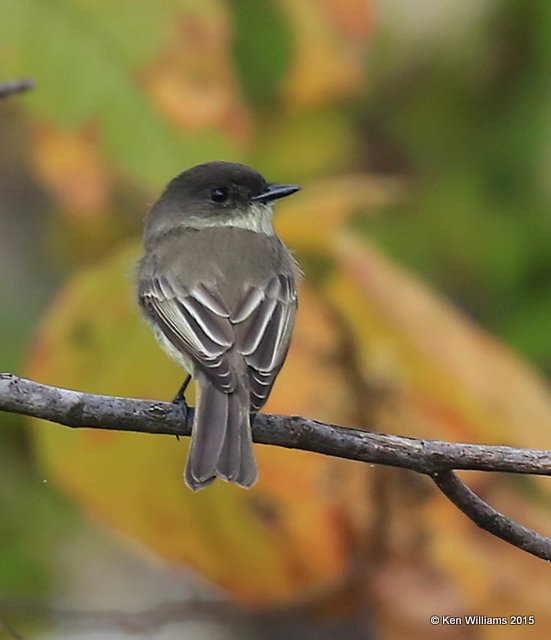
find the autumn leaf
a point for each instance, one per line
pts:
(69, 164)
(91, 73)
(373, 346)
(330, 48)
(256, 544)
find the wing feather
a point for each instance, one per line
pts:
(252, 331)
(263, 326)
(250, 302)
(198, 322)
(196, 325)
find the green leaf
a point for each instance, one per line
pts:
(84, 58)
(262, 46)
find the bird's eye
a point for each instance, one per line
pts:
(219, 195)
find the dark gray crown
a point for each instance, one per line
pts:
(204, 177)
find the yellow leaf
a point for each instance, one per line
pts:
(372, 346)
(257, 544)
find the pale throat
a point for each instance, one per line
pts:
(257, 217)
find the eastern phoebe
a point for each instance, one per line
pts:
(219, 289)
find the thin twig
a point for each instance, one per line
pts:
(10, 631)
(431, 457)
(486, 517)
(145, 621)
(12, 87)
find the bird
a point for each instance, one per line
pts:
(219, 289)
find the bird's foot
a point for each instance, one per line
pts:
(180, 398)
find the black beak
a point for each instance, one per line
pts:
(275, 191)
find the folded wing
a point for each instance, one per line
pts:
(198, 322)
(263, 324)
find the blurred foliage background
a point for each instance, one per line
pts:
(421, 133)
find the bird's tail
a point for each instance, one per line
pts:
(221, 441)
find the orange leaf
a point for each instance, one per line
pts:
(69, 164)
(330, 49)
(193, 80)
(445, 366)
(257, 544)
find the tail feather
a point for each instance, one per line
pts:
(221, 444)
(229, 461)
(208, 434)
(248, 472)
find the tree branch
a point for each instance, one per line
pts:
(134, 622)
(430, 457)
(10, 631)
(15, 86)
(486, 517)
